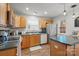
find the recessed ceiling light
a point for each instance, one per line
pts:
(45, 12)
(34, 13)
(27, 9)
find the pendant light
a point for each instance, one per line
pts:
(73, 6)
(64, 10)
(73, 13)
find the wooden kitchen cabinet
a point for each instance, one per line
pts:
(57, 49)
(76, 49)
(8, 7)
(49, 21)
(17, 21)
(22, 21)
(10, 16)
(34, 40)
(43, 23)
(3, 14)
(8, 52)
(30, 40)
(70, 50)
(25, 41)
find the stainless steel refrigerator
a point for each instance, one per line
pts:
(52, 30)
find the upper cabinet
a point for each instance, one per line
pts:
(9, 15)
(43, 22)
(22, 21)
(49, 21)
(14, 20)
(3, 14)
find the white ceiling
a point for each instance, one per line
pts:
(53, 9)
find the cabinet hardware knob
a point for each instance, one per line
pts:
(55, 46)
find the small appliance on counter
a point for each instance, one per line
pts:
(3, 36)
(2, 39)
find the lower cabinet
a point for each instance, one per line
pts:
(34, 40)
(70, 50)
(8, 52)
(76, 49)
(25, 41)
(57, 49)
(30, 40)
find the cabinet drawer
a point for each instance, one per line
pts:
(70, 50)
(8, 52)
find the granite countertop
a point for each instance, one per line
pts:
(69, 40)
(33, 33)
(15, 36)
(9, 44)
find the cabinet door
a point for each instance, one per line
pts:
(17, 21)
(76, 49)
(42, 23)
(22, 21)
(9, 52)
(70, 50)
(34, 40)
(10, 18)
(49, 21)
(25, 42)
(37, 39)
(57, 49)
(3, 14)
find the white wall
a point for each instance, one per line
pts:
(33, 22)
(69, 23)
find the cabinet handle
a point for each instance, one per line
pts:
(56, 46)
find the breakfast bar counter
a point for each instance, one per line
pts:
(64, 46)
(69, 40)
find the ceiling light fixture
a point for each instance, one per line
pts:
(64, 10)
(73, 6)
(45, 12)
(27, 9)
(35, 12)
(73, 13)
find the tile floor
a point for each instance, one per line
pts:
(45, 51)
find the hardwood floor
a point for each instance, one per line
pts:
(45, 51)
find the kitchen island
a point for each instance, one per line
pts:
(64, 46)
(10, 47)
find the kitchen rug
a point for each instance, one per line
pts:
(35, 48)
